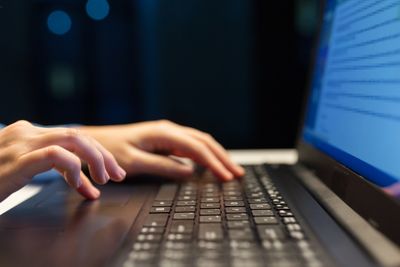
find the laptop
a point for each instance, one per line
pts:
(337, 206)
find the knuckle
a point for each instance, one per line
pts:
(52, 152)
(109, 155)
(98, 157)
(18, 127)
(165, 123)
(22, 123)
(208, 136)
(72, 134)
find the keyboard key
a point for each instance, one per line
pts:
(284, 213)
(255, 195)
(210, 232)
(288, 220)
(260, 206)
(177, 245)
(215, 218)
(186, 203)
(232, 193)
(177, 257)
(235, 209)
(215, 194)
(210, 200)
(278, 201)
(185, 209)
(257, 200)
(275, 245)
(160, 210)
(149, 237)
(146, 246)
(142, 256)
(265, 220)
(179, 237)
(238, 224)
(210, 211)
(181, 226)
(233, 198)
(234, 204)
(298, 235)
(270, 232)
(240, 235)
(281, 207)
(210, 255)
(238, 244)
(188, 193)
(293, 227)
(152, 230)
(184, 216)
(156, 220)
(187, 197)
(210, 190)
(246, 254)
(237, 217)
(163, 203)
(209, 205)
(257, 213)
(209, 245)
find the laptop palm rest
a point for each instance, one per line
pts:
(59, 228)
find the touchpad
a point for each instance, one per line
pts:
(111, 195)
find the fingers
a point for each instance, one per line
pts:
(47, 158)
(147, 163)
(65, 162)
(87, 189)
(111, 164)
(102, 165)
(218, 150)
(183, 145)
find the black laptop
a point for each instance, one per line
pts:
(338, 206)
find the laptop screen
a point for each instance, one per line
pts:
(354, 106)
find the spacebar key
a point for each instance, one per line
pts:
(210, 232)
(167, 192)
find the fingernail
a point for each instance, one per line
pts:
(229, 176)
(95, 192)
(106, 177)
(121, 173)
(78, 183)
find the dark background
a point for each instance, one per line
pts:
(234, 68)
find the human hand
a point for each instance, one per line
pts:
(143, 148)
(27, 150)
(393, 190)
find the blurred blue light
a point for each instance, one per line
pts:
(97, 9)
(59, 22)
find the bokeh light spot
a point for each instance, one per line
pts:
(97, 9)
(59, 22)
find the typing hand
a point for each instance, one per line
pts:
(393, 190)
(143, 148)
(27, 150)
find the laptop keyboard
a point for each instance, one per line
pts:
(207, 223)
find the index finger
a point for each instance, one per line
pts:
(184, 145)
(217, 149)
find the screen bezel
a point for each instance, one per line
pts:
(367, 199)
